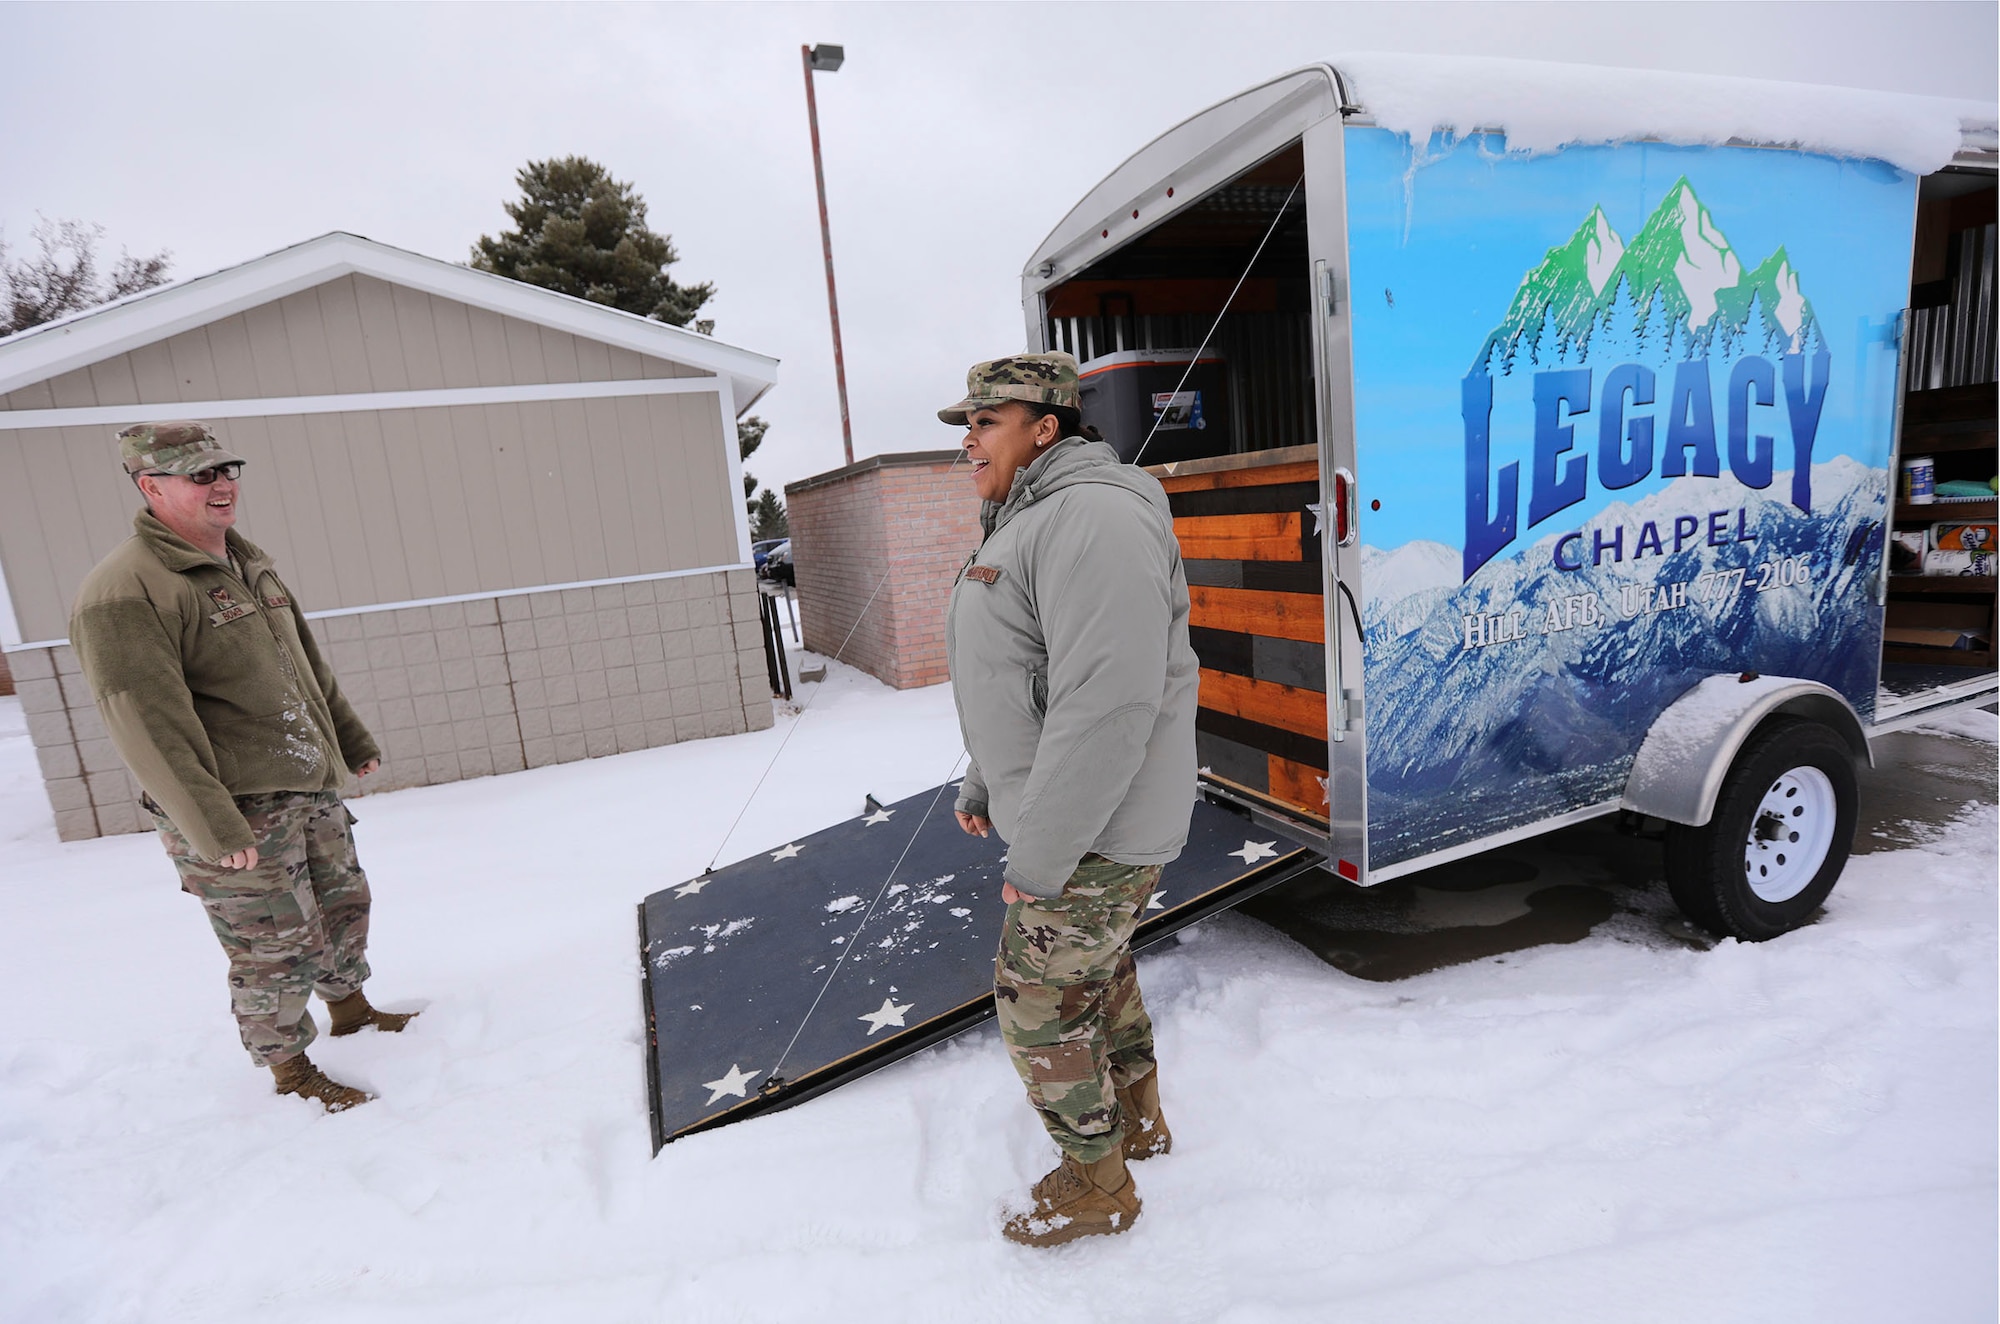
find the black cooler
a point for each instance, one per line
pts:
(1127, 393)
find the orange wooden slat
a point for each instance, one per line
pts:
(1300, 616)
(1300, 711)
(1298, 785)
(1272, 536)
(1264, 476)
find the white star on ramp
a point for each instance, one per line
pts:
(889, 1013)
(1318, 509)
(1325, 790)
(1158, 901)
(736, 1081)
(689, 889)
(1254, 851)
(787, 853)
(879, 816)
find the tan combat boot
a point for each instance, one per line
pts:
(1146, 1132)
(297, 1075)
(1078, 1200)
(353, 1013)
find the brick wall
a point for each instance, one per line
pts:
(468, 689)
(894, 526)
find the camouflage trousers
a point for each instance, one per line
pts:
(1068, 1001)
(295, 924)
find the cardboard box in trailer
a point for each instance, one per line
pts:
(1514, 487)
(1557, 481)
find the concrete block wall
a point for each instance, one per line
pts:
(905, 523)
(469, 689)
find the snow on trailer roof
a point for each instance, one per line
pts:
(1540, 106)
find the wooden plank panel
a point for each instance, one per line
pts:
(385, 505)
(234, 361)
(1298, 786)
(1263, 476)
(521, 560)
(270, 350)
(104, 496)
(652, 522)
(452, 324)
(1267, 537)
(336, 485)
(1302, 712)
(262, 496)
(381, 335)
(610, 471)
(309, 568)
(36, 395)
(39, 530)
(708, 477)
(559, 355)
(112, 381)
(194, 365)
(305, 338)
(455, 493)
(593, 360)
(1248, 611)
(583, 464)
(346, 353)
(153, 370)
(663, 425)
(489, 348)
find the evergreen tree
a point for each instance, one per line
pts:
(767, 517)
(581, 232)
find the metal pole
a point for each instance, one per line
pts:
(826, 243)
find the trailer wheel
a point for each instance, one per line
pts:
(1778, 839)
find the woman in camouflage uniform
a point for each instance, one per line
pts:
(1075, 683)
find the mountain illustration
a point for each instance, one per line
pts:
(1677, 283)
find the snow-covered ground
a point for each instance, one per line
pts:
(1617, 1129)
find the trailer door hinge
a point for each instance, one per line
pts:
(1329, 290)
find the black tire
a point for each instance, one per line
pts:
(1716, 872)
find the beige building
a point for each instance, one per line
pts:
(515, 517)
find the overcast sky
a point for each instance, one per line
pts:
(955, 137)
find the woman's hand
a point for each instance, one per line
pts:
(972, 824)
(1010, 894)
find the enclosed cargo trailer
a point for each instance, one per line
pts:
(1531, 487)
(1560, 480)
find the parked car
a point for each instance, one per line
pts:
(777, 566)
(760, 550)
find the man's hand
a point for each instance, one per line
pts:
(242, 859)
(972, 824)
(367, 767)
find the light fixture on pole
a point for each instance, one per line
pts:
(827, 59)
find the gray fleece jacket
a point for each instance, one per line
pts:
(1067, 638)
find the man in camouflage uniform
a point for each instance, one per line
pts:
(1075, 682)
(213, 690)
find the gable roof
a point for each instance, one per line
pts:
(86, 337)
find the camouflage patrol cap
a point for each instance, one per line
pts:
(171, 448)
(1042, 379)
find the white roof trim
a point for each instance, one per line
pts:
(50, 350)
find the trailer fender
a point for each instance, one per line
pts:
(1680, 766)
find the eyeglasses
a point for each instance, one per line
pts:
(205, 477)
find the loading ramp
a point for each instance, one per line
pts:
(750, 1007)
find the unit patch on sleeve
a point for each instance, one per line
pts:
(985, 574)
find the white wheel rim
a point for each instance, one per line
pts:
(1790, 834)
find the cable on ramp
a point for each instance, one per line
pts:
(742, 966)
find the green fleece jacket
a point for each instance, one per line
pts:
(209, 682)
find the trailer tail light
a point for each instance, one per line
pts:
(1349, 870)
(1343, 508)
